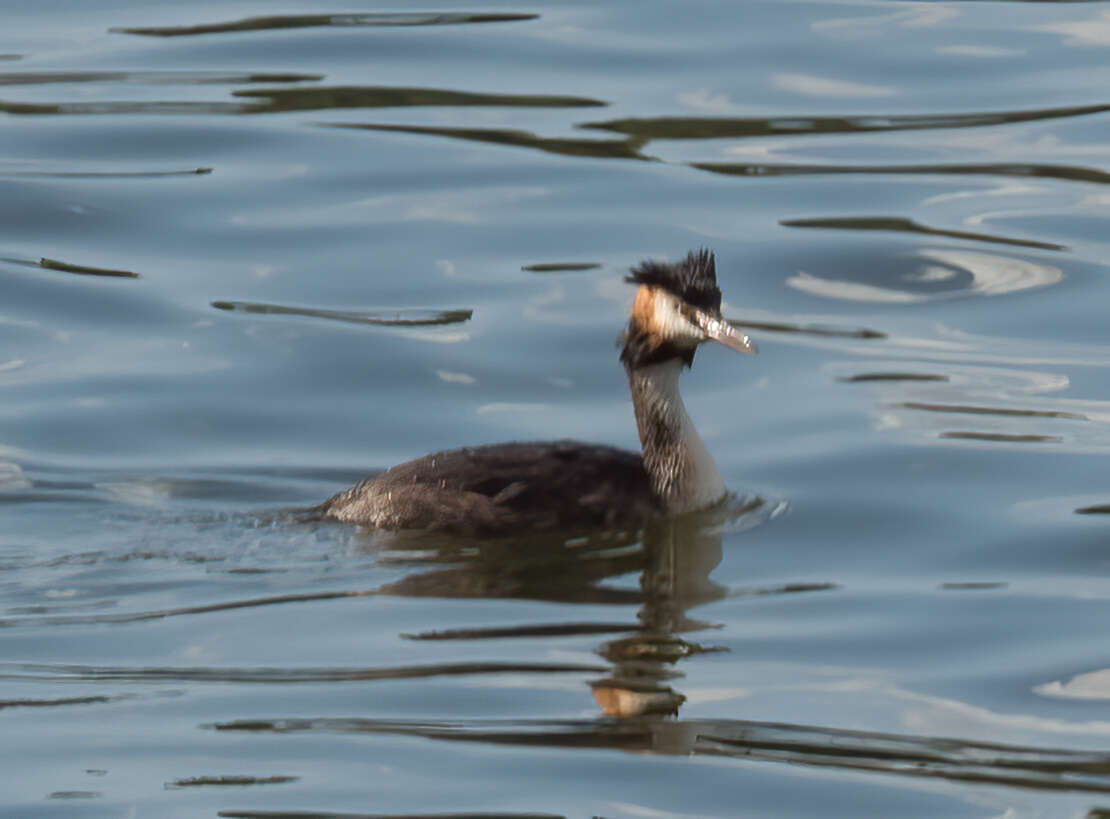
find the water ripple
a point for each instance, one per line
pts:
(905, 755)
(1069, 173)
(597, 148)
(943, 273)
(331, 97)
(88, 673)
(738, 127)
(379, 318)
(286, 21)
(900, 225)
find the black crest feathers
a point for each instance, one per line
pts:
(694, 279)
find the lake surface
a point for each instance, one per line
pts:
(251, 254)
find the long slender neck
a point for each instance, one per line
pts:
(682, 471)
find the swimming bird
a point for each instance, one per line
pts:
(518, 488)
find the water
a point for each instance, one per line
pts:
(250, 254)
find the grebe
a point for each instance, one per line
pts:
(517, 488)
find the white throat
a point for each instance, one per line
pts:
(682, 471)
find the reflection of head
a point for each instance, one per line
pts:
(627, 698)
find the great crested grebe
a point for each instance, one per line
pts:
(517, 488)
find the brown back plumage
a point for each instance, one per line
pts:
(505, 488)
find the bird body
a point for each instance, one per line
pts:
(518, 488)
(514, 487)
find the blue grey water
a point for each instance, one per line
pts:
(250, 254)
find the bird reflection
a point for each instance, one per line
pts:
(673, 556)
(680, 553)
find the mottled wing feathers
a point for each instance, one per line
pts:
(519, 487)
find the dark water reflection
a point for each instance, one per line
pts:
(931, 757)
(148, 77)
(739, 128)
(314, 20)
(597, 148)
(884, 223)
(381, 318)
(318, 815)
(1064, 172)
(316, 99)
